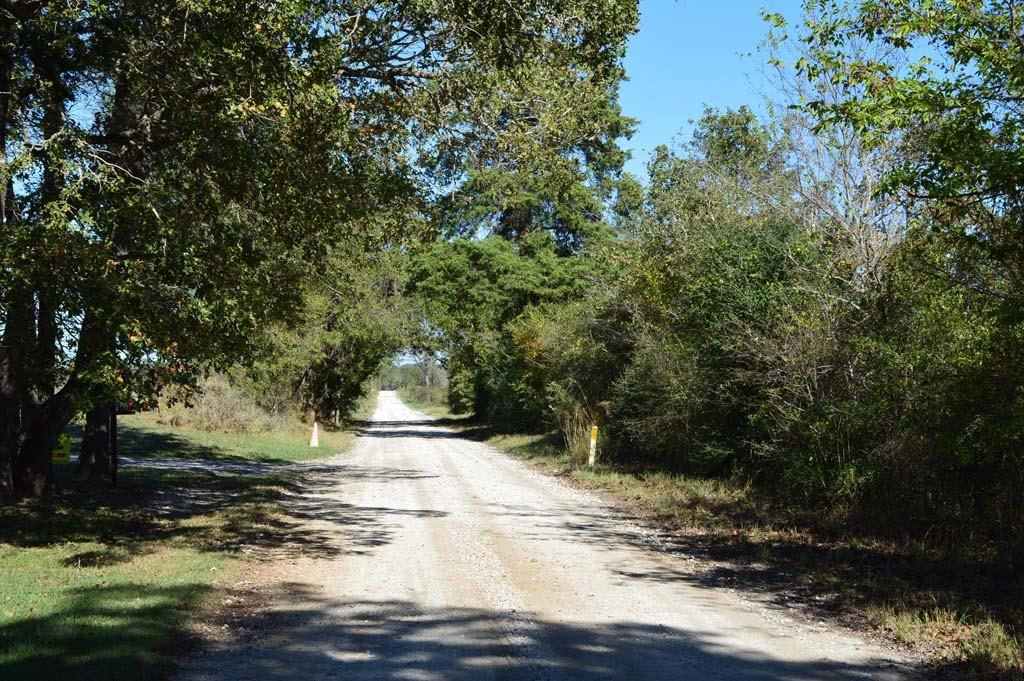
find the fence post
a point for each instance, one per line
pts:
(593, 445)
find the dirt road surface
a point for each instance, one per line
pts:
(429, 556)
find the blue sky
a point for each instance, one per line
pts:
(689, 53)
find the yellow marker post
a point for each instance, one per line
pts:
(593, 445)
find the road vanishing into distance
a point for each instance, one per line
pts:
(423, 555)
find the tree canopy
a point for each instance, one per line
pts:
(174, 170)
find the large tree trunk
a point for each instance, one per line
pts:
(9, 412)
(33, 468)
(34, 472)
(8, 441)
(94, 455)
(10, 420)
(16, 404)
(40, 414)
(33, 465)
(34, 412)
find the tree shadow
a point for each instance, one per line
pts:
(441, 422)
(310, 636)
(154, 445)
(827, 579)
(351, 529)
(286, 512)
(144, 443)
(788, 560)
(392, 433)
(123, 632)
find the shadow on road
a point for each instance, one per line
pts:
(384, 640)
(155, 505)
(393, 640)
(431, 434)
(396, 639)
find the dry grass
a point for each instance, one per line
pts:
(222, 407)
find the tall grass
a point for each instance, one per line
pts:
(575, 422)
(435, 396)
(222, 407)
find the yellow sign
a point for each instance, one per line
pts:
(62, 454)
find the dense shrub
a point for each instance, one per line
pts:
(221, 405)
(736, 327)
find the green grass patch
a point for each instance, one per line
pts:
(545, 450)
(105, 584)
(101, 585)
(143, 436)
(61, 618)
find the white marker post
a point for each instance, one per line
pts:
(314, 439)
(593, 445)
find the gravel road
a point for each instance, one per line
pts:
(434, 557)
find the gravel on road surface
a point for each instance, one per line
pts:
(437, 557)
